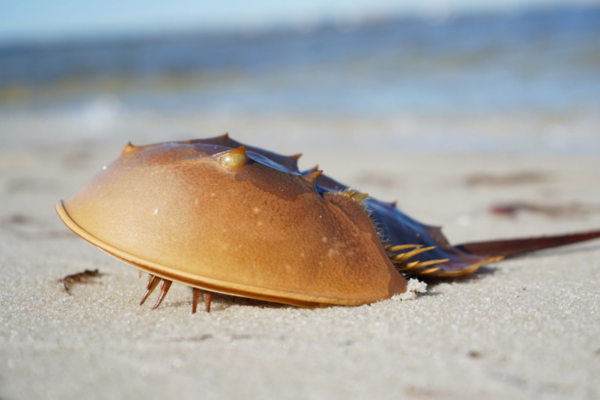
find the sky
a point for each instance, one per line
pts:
(66, 19)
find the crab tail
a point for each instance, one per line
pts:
(515, 247)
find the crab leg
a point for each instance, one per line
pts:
(153, 282)
(164, 288)
(195, 298)
(206, 295)
(207, 299)
(150, 278)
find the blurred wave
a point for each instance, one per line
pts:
(545, 62)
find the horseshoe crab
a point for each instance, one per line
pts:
(220, 216)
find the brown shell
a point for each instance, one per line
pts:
(259, 230)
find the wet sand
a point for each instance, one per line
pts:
(525, 328)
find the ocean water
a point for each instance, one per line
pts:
(539, 66)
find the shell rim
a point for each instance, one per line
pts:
(213, 285)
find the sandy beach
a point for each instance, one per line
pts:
(525, 328)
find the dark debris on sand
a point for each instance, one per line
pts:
(80, 277)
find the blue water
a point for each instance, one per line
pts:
(537, 60)
(512, 82)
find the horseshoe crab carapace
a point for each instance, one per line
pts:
(219, 216)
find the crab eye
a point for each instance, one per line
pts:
(234, 158)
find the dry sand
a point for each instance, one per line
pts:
(526, 328)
